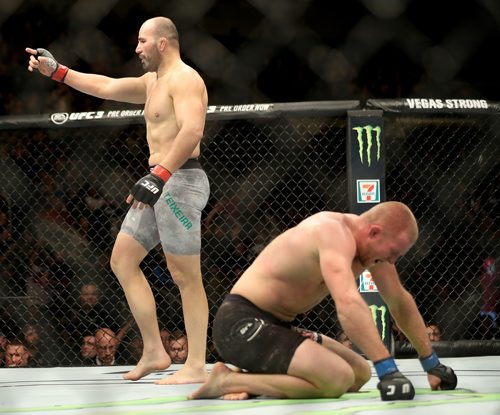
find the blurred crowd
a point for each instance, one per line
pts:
(77, 316)
(243, 61)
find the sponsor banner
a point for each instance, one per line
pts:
(368, 191)
(239, 108)
(366, 283)
(368, 136)
(63, 117)
(429, 103)
(60, 118)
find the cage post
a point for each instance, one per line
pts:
(366, 187)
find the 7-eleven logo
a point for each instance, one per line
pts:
(368, 191)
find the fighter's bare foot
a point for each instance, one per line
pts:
(148, 364)
(187, 374)
(213, 387)
(241, 396)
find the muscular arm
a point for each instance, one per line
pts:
(337, 251)
(131, 90)
(189, 101)
(402, 307)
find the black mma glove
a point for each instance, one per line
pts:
(393, 385)
(58, 71)
(148, 189)
(433, 367)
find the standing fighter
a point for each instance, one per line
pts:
(166, 203)
(322, 255)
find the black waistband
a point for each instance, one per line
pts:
(189, 164)
(237, 298)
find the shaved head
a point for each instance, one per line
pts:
(164, 27)
(395, 216)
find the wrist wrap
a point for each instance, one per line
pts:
(161, 172)
(385, 366)
(60, 73)
(429, 362)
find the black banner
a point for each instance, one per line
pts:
(366, 181)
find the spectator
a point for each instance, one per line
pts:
(106, 347)
(16, 354)
(87, 314)
(39, 353)
(434, 332)
(88, 350)
(178, 347)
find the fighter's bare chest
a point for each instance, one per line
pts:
(158, 103)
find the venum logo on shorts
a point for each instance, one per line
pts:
(176, 210)
(369, 131)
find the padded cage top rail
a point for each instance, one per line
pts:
(214, 112)
(434, 106)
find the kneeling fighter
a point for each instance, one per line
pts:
(322, 255)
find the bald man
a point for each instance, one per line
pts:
(166, 203)
(320, 256)
(106, 345)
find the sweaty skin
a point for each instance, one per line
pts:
(294, 273)
(175, 102)
(323, 255)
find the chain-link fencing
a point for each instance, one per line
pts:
(63, 199)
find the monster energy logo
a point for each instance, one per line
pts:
(382, 310)
(369, 129)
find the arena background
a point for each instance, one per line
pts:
(63, 189)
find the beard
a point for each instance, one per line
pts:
(152, 63)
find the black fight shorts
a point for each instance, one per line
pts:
(252, 339)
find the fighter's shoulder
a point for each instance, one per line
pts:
(185, 73)
(329, 224)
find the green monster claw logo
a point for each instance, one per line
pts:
(375, 311)
(369, 141)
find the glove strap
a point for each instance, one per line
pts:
(429, 362)
(60, 73)
(161, 172)
(385, 366)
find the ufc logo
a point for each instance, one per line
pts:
(150, 186)
(404, 390)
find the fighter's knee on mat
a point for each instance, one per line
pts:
(340, 381)
(363, 374)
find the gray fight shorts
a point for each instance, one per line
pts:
(175, 220)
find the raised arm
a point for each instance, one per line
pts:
(131, 90)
